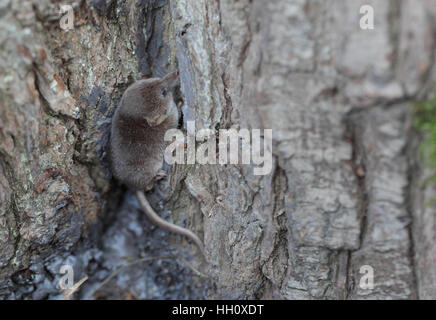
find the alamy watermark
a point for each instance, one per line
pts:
(367, 279)
(256, 147)
(67, 280)
(67, 17)
(367, 19)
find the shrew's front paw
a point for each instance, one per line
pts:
(161, 174)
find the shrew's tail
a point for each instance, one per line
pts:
(165, 224)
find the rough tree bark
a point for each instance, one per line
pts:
(345, 188)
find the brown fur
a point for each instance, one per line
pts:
(138, 129)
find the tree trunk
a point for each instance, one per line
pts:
(345, 192)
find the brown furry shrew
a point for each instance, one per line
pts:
(146, 111)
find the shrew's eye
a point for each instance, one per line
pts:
(164, 92)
